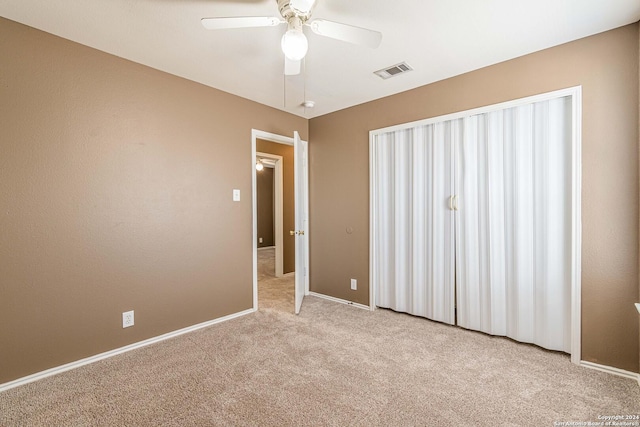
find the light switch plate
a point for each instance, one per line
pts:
(354, 285)
(236, 195)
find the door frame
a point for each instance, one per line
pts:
(576, 198)
(280, 139)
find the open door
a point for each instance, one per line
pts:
(301, 189)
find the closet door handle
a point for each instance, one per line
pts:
(455, 202)
(451, 202)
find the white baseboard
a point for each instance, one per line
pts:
(264, 248)
(611, 370)
(340, 300)
(73, 365)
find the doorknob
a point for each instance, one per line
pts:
(453, 202)
(299, 233)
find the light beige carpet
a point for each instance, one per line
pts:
(332, 365)
(273, 293)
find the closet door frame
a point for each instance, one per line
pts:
(575, 94)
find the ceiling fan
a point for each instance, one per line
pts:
(296, 14)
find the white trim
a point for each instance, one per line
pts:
(279, 220)
(339, 300)
(92, 359)
(267, 136)
(572, 91)
(264, 248)
(372, 221)
(611, 370)
(576, 223)
(576, 195)
(290, 274)
(278, 210)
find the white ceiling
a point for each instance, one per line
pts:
(438, 38)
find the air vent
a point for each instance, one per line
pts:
(394, 70)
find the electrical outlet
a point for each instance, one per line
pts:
(260, 240)
(127, 319)
(354, 285)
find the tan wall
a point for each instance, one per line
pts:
(606, 65)
(116, 193)
(288, 200)
(264, 201)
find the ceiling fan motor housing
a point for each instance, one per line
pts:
(287, 12)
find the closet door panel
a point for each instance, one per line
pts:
(513, 233)
(480, 233)
(382, 218)
(467, 230)
(413, 228)
(402, 226)
(553, 238)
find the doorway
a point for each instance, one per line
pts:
(270, 207)
(280, 269)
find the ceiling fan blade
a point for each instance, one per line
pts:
(240, 22)
(291, 68)
(347, 33)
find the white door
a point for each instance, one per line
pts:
(513, 227)
(301, 184)
(413, 220)
(516, 216)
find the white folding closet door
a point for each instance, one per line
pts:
(513, 241)
(481, 289)
(412, 226)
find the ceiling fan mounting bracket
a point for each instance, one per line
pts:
(284, 6)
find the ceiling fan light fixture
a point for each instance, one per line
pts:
(302, 7)
(294, 44)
